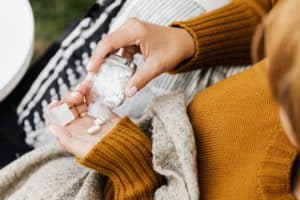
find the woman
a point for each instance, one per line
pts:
(242, 145)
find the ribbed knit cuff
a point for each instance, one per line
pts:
(223, 36)
(124, 155)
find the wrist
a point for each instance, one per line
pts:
(188, 43)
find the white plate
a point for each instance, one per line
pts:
(16, 43)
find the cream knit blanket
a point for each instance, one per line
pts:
(51, 173)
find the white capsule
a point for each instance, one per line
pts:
(93, 129)
(99, 122)
(102, 118)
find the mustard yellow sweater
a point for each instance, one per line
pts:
(242, 151)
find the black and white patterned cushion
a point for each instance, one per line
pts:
(64, 69)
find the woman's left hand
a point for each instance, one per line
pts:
(74, 137)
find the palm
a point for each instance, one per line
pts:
(78, 129)
(74, 137)
(77, 140)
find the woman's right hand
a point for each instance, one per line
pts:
(162, 48)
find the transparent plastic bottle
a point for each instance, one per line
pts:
(108, 85)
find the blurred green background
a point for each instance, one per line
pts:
(52, 17)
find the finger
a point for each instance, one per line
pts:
(122, 37)
(73, 98)
(132, 49)
(81, 108)
(71, 144)
(88, 98)
(74, 112)
(129, 52)
(127, 55)
(148, 72)
(83, 88)
(53, 104)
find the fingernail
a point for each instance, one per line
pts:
(75, 94)
(52, 130)
(132, 91)
(77, 87)
(89, 65)
(53, 102)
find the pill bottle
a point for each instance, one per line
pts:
(108, 85)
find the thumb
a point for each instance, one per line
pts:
(148, 72)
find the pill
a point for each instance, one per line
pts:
(93, 129)
(99, 121)
(102, 118)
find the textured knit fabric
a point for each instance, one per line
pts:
(51, 173)
(243, 153)
(125, 156)
(127, 149)
(242, 150)
(224, 36)
(174, 149)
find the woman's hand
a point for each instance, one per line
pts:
(163, 48)
(74, 137)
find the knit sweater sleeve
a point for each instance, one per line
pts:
(223, 36)
(124, 156)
